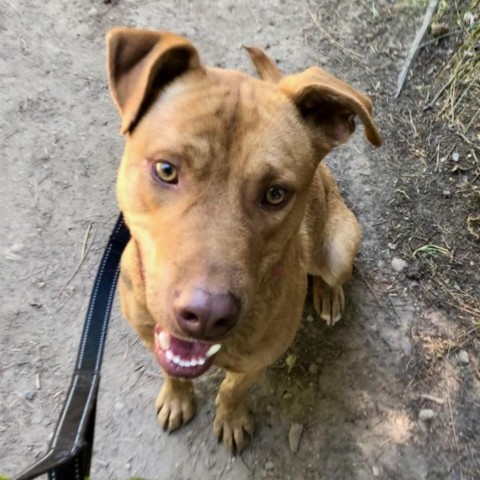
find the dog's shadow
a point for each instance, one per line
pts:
(333, 383)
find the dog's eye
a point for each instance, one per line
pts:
(166, 172)
(275, 196)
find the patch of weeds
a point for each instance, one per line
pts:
(461, 99)
(436, 221)
(431, 250)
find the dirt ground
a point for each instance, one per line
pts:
(409, 341)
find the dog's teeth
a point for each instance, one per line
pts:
(176, 359)
(201, 361)
(213, 349)
(164, 340)
(188, 363)
(193, 362)
(169, 355)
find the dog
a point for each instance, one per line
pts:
(230, 207)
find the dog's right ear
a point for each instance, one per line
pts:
(142, 62)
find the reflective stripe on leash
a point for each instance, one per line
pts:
(70, 452)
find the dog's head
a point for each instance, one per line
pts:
(215, 177)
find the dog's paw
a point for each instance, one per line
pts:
(234, 428)
(175, 404)
(328, 302)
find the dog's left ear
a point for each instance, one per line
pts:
(329, 106)
(264, 65)
(142, 62)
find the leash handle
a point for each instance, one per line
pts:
(70, 451)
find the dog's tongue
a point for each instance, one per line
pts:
(183, 358)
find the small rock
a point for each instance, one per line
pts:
(294, 436)
(398, 264)
(469, 19)
(128, 466)
(463, 357)
(438, 28)
(35, 304)
(309, 318)
(17, 247)
(29, 395)
(455, 156)
(392, 246)
(426, 414)
(290, 361)
(269, 466)
(447, 193)
(313, 369)
(375, 471)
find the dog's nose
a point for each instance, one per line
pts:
(204, 315)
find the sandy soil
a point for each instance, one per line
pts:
(356, 390)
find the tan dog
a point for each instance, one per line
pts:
(229, 209)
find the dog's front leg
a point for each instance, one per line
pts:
(175, 403)
(233, 422)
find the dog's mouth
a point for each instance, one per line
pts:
(183, 358)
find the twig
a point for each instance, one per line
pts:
(415, 132)
(8, 135)
(12, 5)
(127, 350)
(453, 429)
(381, 222)
(453, 465)
(432, 6)
(85, 248)
(85, 240)
(439, 93)
(441, 37)
(398, 320)
(437, 164)
(432, 398)
(468, 142)
(374, 295)
(354, 57)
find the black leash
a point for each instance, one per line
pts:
(70, 451)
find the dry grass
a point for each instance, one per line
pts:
(461, 98)
(458, 107)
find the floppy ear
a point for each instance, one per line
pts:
(142, 62)
(329, 106)
(266, 69)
